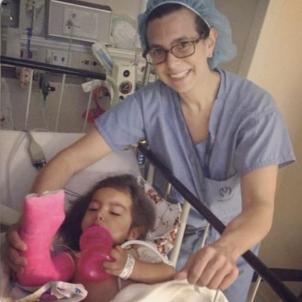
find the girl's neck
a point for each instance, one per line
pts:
(201, 97)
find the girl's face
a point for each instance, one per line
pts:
(112, 209)
(181, 74)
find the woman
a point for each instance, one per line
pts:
(221, 135)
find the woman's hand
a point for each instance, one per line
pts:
(15, 245)
(120, 258)
(212, 266)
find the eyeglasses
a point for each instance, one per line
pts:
(182, 49)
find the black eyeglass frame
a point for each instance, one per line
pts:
(192, 42)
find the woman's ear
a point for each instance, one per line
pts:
(135, 233)
(211, 42)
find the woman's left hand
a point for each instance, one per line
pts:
(211, 266)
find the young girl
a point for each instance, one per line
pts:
(120, 205)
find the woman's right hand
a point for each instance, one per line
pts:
(15, 246)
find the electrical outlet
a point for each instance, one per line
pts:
(86, 61)
(57, 57)
(95, 65)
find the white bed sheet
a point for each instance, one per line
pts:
(17, 173)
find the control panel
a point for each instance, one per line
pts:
(124, 76)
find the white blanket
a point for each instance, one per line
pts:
(171, 291)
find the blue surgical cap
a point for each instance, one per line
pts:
(224, 50)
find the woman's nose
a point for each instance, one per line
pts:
(171, 60)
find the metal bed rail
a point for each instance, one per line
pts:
(52, 68)
(64, 71)
(264, 272)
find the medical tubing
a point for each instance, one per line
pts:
(31, 73)
(101, 54)
(143, 243)
(6, 107)
(60, 102)
(87, 111)
(283, 292)
(115, 97)
(12, 154)
(63, 82)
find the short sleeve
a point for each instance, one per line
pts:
(122, 125)
(263, 140)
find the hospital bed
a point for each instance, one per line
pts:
(17, 173)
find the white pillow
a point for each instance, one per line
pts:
(17, 173)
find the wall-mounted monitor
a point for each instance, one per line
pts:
(78, 20)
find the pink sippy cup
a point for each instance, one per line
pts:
(95, 245)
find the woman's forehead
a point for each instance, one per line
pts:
(171, 27)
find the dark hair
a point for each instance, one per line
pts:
(202, 27)
(143, 212)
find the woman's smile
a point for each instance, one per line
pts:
(179, 75)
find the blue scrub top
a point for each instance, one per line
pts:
(246, 132)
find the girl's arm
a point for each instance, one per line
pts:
(152, 272)
(144, 272)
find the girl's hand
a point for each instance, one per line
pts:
(212, 266)
(120, 258)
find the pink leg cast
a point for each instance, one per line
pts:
(42, 217)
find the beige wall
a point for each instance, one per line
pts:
(277, 66)
(241, 14)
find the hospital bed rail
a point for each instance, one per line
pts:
(52, 68)
(55, 69)
(266, 274)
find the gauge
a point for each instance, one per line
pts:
(125, 87)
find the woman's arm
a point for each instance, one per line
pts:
(71, 160)
(253, 224)
(214, 266)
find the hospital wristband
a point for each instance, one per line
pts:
(128, 268)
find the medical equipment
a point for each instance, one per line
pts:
(102, 55)
(36, 153)
(120, 76)
(83, 21)
(124, 76)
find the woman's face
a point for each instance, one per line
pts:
(111, 209)
(181, 74)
